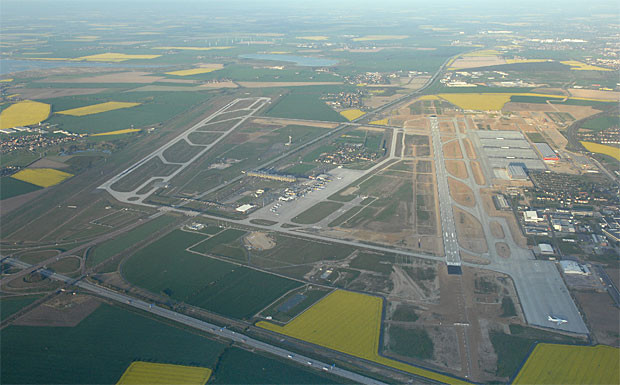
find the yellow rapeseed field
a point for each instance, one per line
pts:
(193, 71)
(24, 113)
(117, 132)
(568, 364)
(139, 373)
(381, 122)
(315, 38)
(43, 177)
(352, 114)
(483, 52)
(97, 108)
(380, 37)
(115, 57)
(480, 102)
(350, 323)
(192, 48)
(429, 97)
(602, 149)
(516, 61)
(579, 66)
(6, 80)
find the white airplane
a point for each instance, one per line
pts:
(558, 321)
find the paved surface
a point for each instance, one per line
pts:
(202, 126)
(540, 287)
(205, 326)
(448, 229)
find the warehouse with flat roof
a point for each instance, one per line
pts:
(546, 152)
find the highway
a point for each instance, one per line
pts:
(222, 332)
(448, 229)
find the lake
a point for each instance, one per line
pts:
(304, 61)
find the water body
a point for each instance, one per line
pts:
(304, 61)
(8, 66)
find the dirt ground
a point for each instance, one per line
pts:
(375, 101)
(259, 241)
(65, 310)
(452, 150)
(49, 93)
(457, 168)
(469, 258)
(461, 193)
(284, 84)
(497, 229)
(578, 112)
(502, 249)
(478, 174)
(47, 163)
(469, 149)
(595, 94)
(601, 315)
(469, 231)
(477, 61)
(556, 137)
(286, 122)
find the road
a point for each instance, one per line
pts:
(203, 326)
(448, 228)
(102, 238)
(609, 284)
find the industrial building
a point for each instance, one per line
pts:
(545, 249)
(504, 149)
(546, 152)
(572, 267)
(532, 216)
(517, 171)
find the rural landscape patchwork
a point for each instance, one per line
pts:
(202, 192)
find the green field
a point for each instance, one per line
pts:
(346, 216)
(316, 212)
(411, 342)
(165, 267)
(536, 137)
(308, 105)
(127, 240)
(10, 306)
(10, 187)
(98, 349)
(238, 366)
(601, 123)
(224, 244)
(288, 250)
(155, 108)
(379, 263)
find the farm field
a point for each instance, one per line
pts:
(165, 267)
(24, 113)
(380, 37)
(118, 132)
(602, 149)
(81, 354)
(152, 108)
(568, 364)
(97, 108)
(114, 246)
(580, 66)
(349, 323)
(140, 372)
(304, 106)
(10, 187)
(352, 114)
(42, 177)
(193, 71)
(238, 366)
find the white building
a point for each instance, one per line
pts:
(572, 267)
(532, 216)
